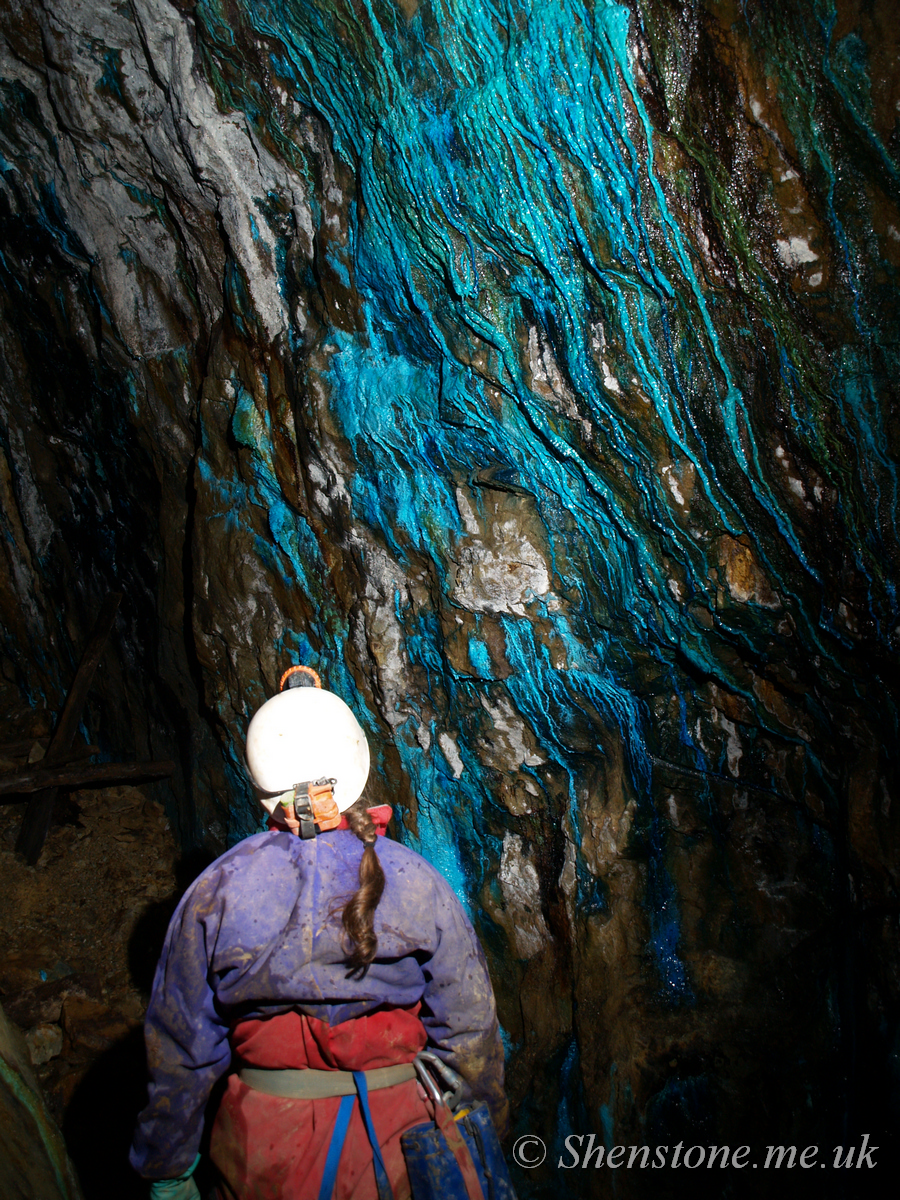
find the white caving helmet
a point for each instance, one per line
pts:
(305, 734)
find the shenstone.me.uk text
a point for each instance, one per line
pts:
(583, 1150)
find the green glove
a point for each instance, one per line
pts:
(181, 1188)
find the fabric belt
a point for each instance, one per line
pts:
(310, 1084)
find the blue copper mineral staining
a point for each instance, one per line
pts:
(532, 367)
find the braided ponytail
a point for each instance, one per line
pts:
(358, 917)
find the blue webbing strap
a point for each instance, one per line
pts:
(335, 1146)
(381, 1176)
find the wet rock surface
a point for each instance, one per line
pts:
(531, 372)
(33, 1161)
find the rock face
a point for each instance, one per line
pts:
(34, 1160)
(530, 371)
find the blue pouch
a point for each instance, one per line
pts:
(449, 1160)
(434, 1171)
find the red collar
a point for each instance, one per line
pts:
(380, 815)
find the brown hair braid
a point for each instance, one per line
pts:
(358, 917)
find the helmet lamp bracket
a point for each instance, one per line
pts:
(310, 803)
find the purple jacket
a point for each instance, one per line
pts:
(255, 935)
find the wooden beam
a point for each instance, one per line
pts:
(39, 812)
(90, 775)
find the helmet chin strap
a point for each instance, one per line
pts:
(310, 808)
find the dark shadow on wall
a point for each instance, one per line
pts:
(99, 1121)
(146, 942)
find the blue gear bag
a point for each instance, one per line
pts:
(434, 1173)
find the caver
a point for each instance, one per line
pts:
(302, 955)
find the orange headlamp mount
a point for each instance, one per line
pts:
(311, 806)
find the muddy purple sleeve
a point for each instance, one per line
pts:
(187, 1042)
(460, 1012)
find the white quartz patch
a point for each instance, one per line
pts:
(795, 251)
(609, 380)
(521, 890)
(451, 753)
(734, 751)
(506, 746)
(467, 514)
(507, 582)
(672, 484)
(497, 566)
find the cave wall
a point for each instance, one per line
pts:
(530, 371)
